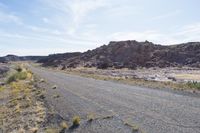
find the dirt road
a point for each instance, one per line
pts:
(115, 105)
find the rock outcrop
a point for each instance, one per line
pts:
(130, 54)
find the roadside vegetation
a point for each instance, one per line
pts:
(194, 85)
(24, 109)
(20, 74)
(21, 111)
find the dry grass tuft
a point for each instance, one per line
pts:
(64, 125)
(76, 121)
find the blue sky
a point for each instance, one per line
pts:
(42, 27)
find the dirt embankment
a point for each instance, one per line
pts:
(22, 105)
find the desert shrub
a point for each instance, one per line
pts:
(21, 75)
(17, 76)
(63, 125)
(76, 121)
(10, 79)
(194, 85)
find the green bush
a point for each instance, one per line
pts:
(194, 85)
(21, 75)
(11, 79)
(17, 76)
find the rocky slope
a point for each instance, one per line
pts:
(57, 59)
(130, 54)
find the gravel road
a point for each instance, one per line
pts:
(152, 110)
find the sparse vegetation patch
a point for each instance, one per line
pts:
(194, 85)
(19, 75)
(22, 111)
(76, 121)
(64, 125)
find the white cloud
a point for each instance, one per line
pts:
(184, 34)
(78, 10)
(46, 39)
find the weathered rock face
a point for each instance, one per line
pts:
(130, 54)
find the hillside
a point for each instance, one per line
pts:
(57, 59)
(9, 58)
(130, 54)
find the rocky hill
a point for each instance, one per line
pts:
(58, 59)
(9, 58)
(130, 54)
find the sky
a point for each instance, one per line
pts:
(42, 27)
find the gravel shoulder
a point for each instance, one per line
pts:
(119, 108)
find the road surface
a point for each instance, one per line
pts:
(152, 110)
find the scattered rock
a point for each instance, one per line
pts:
(54, 87)
(172, 78)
